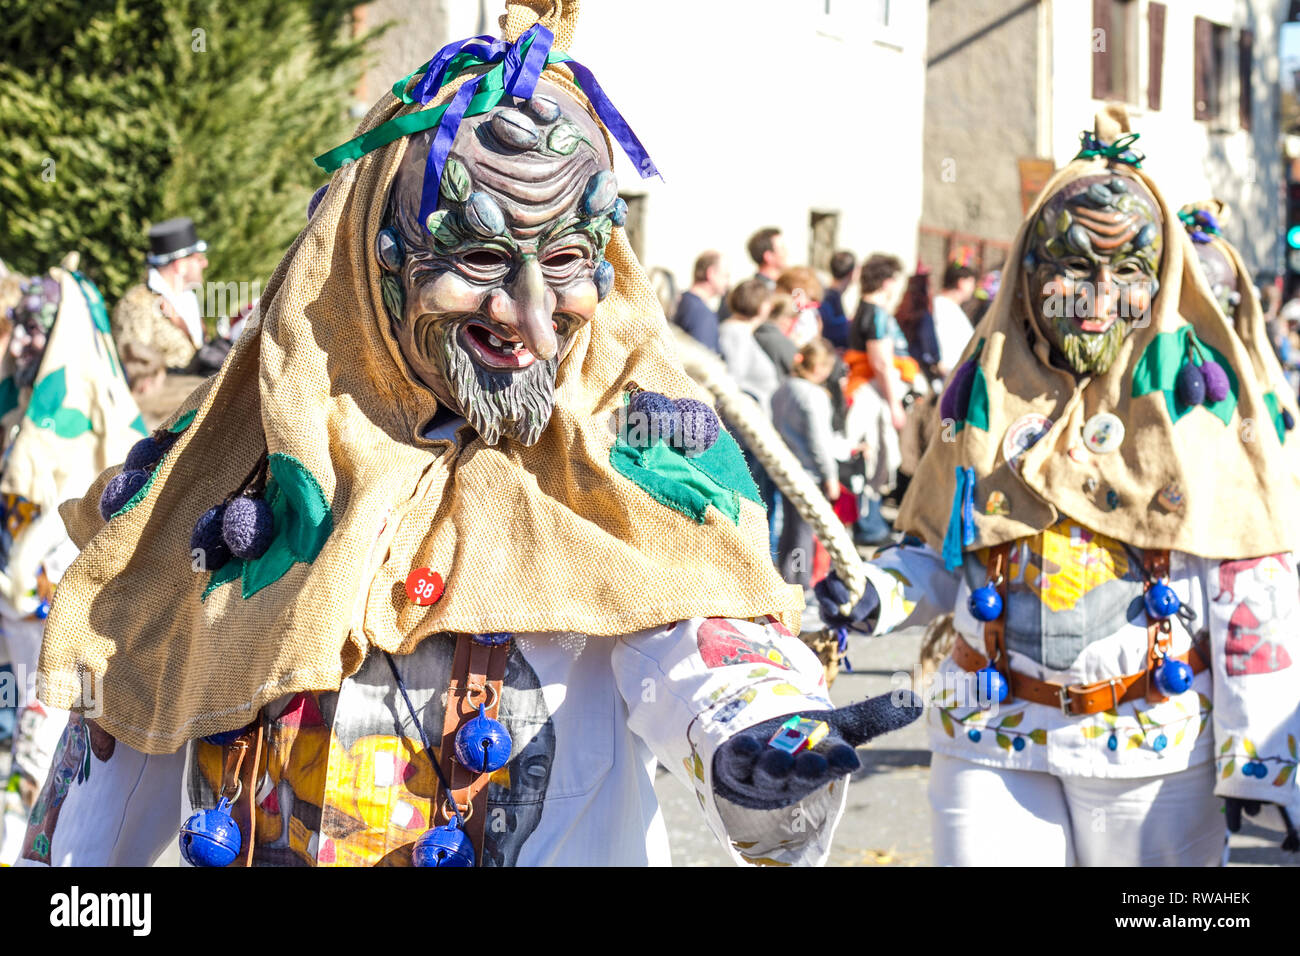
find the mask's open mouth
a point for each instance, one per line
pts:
(1095, 325)
(491, 348)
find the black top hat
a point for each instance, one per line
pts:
(172, 240)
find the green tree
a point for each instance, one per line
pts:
(119, 113)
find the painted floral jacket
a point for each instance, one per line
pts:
(1074, 614)
(343, 779)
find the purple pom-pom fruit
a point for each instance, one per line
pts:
(120, 489)
(247, 527)
(955, 401)
(1190, 385)
(207, 539)
(697, 426)
(651, 416)
(146, 453)
(1216, 381)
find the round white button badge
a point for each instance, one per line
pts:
(1103, 433)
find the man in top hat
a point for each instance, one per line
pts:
(163, 313)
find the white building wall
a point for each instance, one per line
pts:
(1189, 159)
(757, 112)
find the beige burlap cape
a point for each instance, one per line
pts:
(1238, 493)
(548, 538)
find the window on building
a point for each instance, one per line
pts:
(1155, 54)
(1115, 50)
(1245, 64)
(1211, 68)
(823, 227)
(635, 225)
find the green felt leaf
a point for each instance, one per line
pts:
(564, 139)
(1275, 413)
(70, 423)
(140, 426)
(1013, 721)
(977, 413)
(183, 422)
(230, 571)
(302, 522)
(8, 396)
(688, 485)
(1283, 775)
(455, 181)
(1157, 371)
(95, 302)
(47, 398)
(1038, 736)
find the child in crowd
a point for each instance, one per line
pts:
(801, 413)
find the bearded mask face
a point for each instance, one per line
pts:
(486, 296)
(1093, 260)
(1221, 277)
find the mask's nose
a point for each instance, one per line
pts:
(525, 306)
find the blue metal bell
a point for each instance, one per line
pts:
(210, 837)
(1173, 677)
(483, 744)
(446, 845)
(990, 685)
(1161, 601)
(985, 603)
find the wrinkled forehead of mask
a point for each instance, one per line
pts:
(514, 169)
(1102, 213)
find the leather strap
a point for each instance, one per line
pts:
(476, 675)
(1156, 564)
(995, 631)
(1075, 700)
(239, 783)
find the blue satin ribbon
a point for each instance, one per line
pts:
(519, 66)
(961, 519)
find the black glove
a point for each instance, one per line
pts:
(832, 594)
(1233, 808)
(751, 774)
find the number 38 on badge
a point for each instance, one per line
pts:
(423, 586)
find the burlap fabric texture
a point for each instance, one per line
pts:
(1239, 493)
(542, 539)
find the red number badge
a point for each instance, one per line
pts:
(423, 586)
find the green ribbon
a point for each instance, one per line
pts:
(1118, 151)
(490, 92)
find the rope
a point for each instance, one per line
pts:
(746, 418)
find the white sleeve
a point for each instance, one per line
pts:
(1254, 611)
(692, 686)
(913, 585)
(118, 807)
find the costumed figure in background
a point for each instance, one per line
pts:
(1117, 555)
(67, 414)
(163, 314)
(450, 552)
(1229, 280)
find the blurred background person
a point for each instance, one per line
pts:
(696, 312)
(767, 250)
(163, 313)
(916, 318)
(755, 374)
(951, 326)
(805, 291)
(835, 323)
(801, 413)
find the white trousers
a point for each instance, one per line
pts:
(987, 816)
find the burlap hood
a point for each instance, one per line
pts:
(548, 538)
(1237, 489)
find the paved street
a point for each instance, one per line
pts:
(887, 820)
